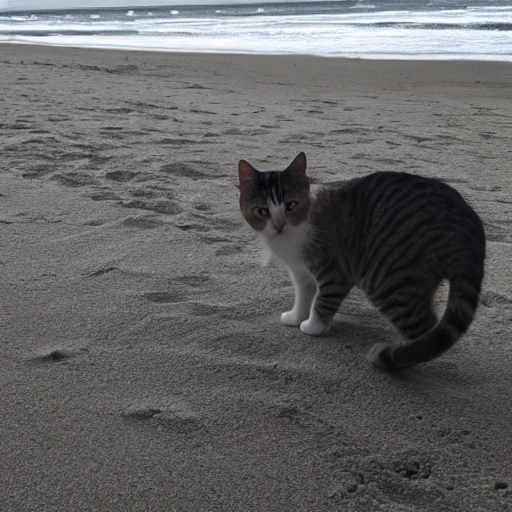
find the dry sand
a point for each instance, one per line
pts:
(143, 364)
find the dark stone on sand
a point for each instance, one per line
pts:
(55, 355)
(145, 413)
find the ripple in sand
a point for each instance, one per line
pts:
(196, 281)
(121, 176)
(183, 169)
(491, 299)
(104, 195)
(161, 206)
(74, 179)
(164, 297)
(38, 171)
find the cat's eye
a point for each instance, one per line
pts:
(291, 205)
(263, 212)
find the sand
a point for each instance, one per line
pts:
(143, 364)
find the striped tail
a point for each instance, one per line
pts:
(460, 310)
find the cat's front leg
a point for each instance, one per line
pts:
(314, 326)
(327, 301)
(305, 290)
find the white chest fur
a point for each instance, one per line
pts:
(287, 246)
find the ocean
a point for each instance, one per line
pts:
(412, 29)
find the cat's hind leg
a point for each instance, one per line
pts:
(413, 319)
(305, 290)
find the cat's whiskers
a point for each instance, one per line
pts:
(311, 237)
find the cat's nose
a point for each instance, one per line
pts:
(278, 225)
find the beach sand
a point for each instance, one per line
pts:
(143, 364)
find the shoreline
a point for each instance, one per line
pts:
(372, 57)
(144, 367)
(416, 64)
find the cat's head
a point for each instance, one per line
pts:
(274, 202)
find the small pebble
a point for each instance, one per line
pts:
(352, 487)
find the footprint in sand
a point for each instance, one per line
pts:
(492, 299)
(193, 170)
(202, 207)
(398, 484)
(177, 418)
(203, 223)
(183, 169)
(144, 222)
(211, 239)
(413, 468)
(192, 226)
(226, 224)
(229, 250)
(38, 171)
(165, 206)
(207, 309)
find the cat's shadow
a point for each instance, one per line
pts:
(361, 337)
(361, 333)
(446, 386)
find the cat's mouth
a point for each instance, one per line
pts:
(276, 233)
(278, 227)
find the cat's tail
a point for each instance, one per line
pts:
(460, 310)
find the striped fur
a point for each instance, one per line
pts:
(395, 236)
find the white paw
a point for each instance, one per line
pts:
(312, 327)
(291, 319)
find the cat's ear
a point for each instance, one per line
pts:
(298, 167)
(246, 172)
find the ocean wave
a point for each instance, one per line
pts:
(435, 26)
(321, 28)
(363, 6)
(31, 17)
(67, 33)
(490, 8)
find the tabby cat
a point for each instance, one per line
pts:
(394, 235)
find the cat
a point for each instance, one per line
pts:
(394, 235)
